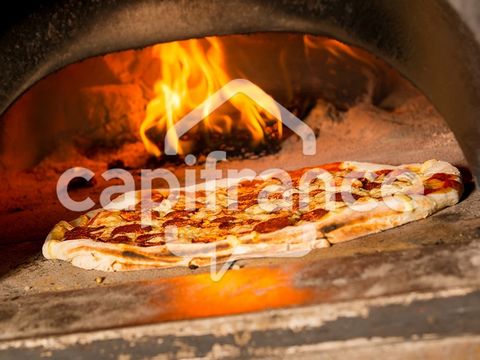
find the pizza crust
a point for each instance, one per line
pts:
(90, 254)
(337, 226)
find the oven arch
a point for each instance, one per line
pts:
(426, 41)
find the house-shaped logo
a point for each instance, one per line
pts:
(255, 93)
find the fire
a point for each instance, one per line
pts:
(191, 71)
(338, 50)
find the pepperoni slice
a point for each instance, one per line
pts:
(142, 239)
(179, 214)
(130, 215)
(447, 181)
(275, 196)
(251, 183)
(246, 202)
(340, 196)
(369, 185)
(314, 215)
(131, 228)
(180, 222)
(316, 192)
(247, 196)
(82, 232)
(383, 172)
(272, 225)
(223, 222)
(224, 219)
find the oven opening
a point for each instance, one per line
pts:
(120, 110)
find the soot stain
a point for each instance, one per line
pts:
(134, 255)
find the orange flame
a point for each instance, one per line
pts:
(191, 71)
(337, 49)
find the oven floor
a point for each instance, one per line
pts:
(448, 227)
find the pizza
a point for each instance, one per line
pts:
(283, 213)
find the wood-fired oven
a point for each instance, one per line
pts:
(98, 84)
